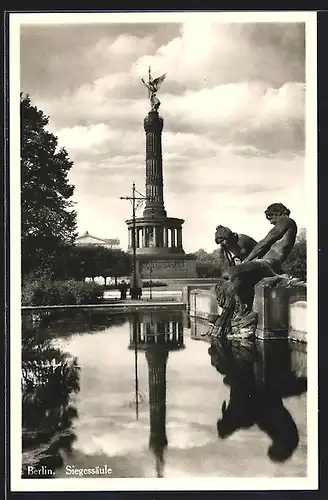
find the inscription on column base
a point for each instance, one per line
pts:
(168, 268)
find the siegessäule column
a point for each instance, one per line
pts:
(153, 125)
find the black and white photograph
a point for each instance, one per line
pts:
(163, 251)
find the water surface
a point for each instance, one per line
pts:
(222, 410)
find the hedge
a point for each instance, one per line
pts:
(71, 292)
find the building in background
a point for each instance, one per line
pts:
(88, 239)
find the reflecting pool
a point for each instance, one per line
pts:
(145, 395)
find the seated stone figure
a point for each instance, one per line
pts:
(240, 245)
(265, 259)
(236, 247)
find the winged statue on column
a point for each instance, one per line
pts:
(153, 85)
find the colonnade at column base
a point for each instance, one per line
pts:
(156, 235)
(159, 249)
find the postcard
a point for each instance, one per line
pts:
(163, 215)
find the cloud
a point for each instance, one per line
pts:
(82, 53)
(271, 120)
(125, 46)
(233, 105)
(218, 53)
(250, 107)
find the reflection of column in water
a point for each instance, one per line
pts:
(143, 337)
(157, 358)
(139, 331)
(180, 333)
(158, 328)
(136, 338)
(163, 332)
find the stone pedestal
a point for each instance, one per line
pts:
(271, 304)
(279, 310)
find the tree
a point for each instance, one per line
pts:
(202, 255)
(111, 263)
(121, 264)
(89, 261)
(209, 265)
(208, 270)
(48, 220)
(296, 263)
(82, 262)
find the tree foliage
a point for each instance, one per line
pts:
(209, 265)
(89, 261)
(48, 221)
(296, 263)
(121, 265)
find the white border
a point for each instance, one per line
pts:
(311, 481)
(311, 163)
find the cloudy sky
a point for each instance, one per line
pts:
(233, 104)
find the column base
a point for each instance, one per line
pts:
(168, 266)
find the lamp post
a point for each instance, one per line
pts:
(133, 198)
(136, 382)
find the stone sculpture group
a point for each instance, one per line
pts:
(251, 263)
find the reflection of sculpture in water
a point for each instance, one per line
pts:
(153, 85)
(254, 400)
(235, 292)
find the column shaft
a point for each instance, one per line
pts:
(155, 236)
(165, 237)
(173, 244)
(179, 237)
